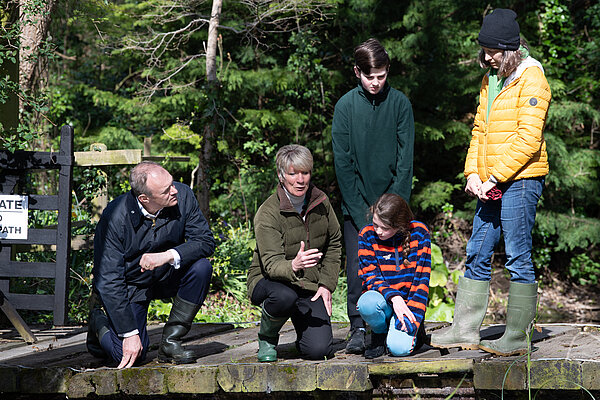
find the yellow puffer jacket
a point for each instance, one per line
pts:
(511, 144)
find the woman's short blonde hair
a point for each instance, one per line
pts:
(510, 60)
(293, 155)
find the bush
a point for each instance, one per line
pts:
(227, 301)
(440, 306)
(584, 270)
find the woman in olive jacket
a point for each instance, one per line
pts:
(505, 169)
(297, 259)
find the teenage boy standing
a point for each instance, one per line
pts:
(373, 138)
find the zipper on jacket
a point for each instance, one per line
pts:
(487, 125)
(305, 219)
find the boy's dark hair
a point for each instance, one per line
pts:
(371, 54)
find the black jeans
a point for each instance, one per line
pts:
(354, 282)
(312, 324)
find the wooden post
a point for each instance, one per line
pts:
(100, 202)
(63, 234)
(16, 320)
(147, 146)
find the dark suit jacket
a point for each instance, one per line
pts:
(123, 235)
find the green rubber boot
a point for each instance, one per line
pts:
(268, 336)
(469, 311)
(522, 304)
(179, 324)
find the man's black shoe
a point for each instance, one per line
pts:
(356, 344)
(97, 328)
(377, 346)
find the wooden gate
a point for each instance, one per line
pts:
(14, 168)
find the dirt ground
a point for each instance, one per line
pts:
(559, 300)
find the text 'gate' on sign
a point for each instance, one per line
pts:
(13, 217)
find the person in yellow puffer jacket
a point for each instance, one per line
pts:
(505, 168)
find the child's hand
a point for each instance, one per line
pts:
(401, 310)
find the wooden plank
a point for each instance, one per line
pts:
(108, 157)
(8, 182)
(78, 242)
(43, 302)
(35, 236)
(43, 202)
(16, 319)
(19, 269)
(119, 157)
(163, 158)
(22, 160)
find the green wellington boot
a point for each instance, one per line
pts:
(268, 336)
(469, 311)
(522, 304)
(179, 324)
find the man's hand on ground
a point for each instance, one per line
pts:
(132, 349)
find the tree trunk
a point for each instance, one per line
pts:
(9, 111)
(211, 47)
(35, 18)
(205, 158)
(35, 22)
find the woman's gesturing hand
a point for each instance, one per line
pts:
(401, 310)
(306, 259)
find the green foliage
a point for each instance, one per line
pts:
(223, 307)
(434, 195)
(569, 232)
(584, 270)
(440, 306)
(227, 301)
(232, 258)
(278, 83)
(20, 106)
(339, 312)
(159, 310)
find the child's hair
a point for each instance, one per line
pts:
(371, 54)
(394, 211)
(510, 60)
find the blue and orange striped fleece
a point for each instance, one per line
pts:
(381, 267)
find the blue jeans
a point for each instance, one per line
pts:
(379, 314)
(513, 216)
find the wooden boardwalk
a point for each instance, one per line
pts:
(567, 359)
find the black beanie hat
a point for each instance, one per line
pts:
(500, 30)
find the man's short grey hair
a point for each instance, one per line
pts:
(293, 155)
(139, 176)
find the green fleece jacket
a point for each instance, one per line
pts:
(279, 229)
(373, 141)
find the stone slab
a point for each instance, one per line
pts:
(567, 359)
(499, 375)
(186, 379)
(349, 377)
(421, 366)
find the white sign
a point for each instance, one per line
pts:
(13, 217)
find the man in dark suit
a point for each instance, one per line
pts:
(150, 243)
